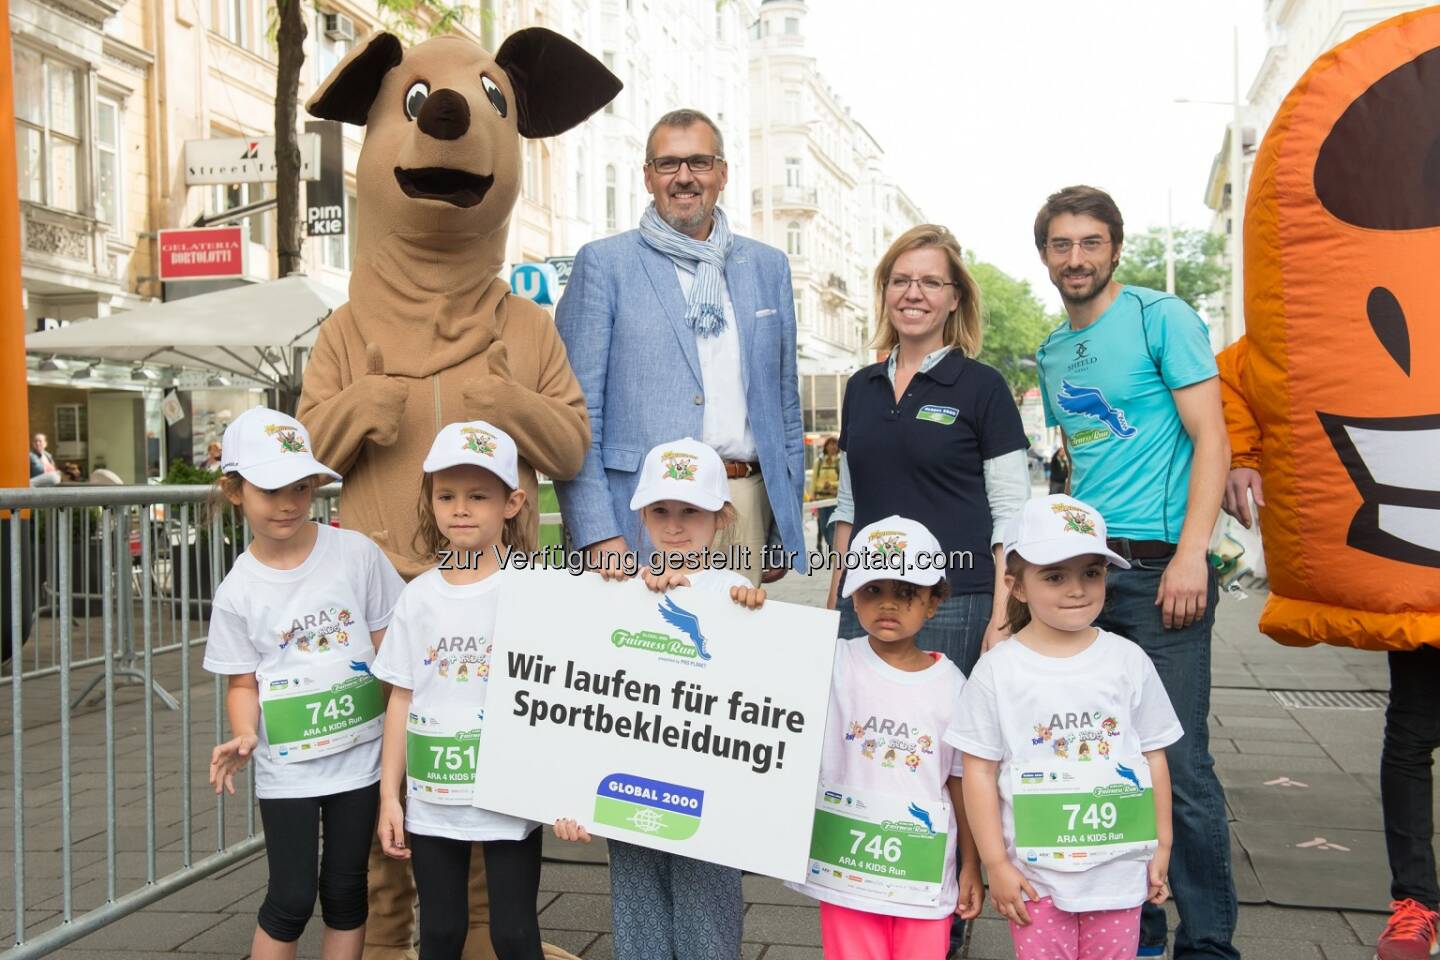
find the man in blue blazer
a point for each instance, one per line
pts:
(681, 329)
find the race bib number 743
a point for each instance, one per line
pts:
(315, 723)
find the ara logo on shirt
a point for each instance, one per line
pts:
(1090, 402)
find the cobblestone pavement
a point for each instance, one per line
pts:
(1332, 755)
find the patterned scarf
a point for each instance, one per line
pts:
(706, 310)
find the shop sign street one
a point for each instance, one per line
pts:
(202, 253)
(244, 160)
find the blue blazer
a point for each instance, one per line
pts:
(622, 318)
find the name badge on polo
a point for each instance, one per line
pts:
(938, 414)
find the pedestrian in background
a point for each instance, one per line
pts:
(824, 487)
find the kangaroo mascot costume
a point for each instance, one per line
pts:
(431, 333)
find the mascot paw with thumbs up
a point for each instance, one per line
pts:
(431, 334)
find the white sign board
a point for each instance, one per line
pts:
(245, 160)
(677, 721)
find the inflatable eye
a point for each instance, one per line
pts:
(497, 97)
(415, 98)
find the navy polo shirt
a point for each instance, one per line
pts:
(923, 457)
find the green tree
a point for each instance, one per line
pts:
(1199, 273)
(1015, 325)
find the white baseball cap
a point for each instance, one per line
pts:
(270, 449)
(1055, 528)
(479, 444)
(685, 470)
(893, 549)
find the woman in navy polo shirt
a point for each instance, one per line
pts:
(934, 435)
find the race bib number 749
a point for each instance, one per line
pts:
(1068, 817)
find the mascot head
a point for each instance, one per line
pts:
(1342, 236)
(443, 123)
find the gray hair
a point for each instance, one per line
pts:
(682, 118)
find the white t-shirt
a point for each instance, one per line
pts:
(438, 647)
(884, 734)
(314, 618)
(1023, 707)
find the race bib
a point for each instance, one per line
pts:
(881, 847)
(317, 713)
(1070, 816)
(440, 756)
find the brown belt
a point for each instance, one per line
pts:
(740, 469)
(1141, 549)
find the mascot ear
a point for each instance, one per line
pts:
(346, 95)
(557, 84)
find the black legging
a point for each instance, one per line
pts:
(442, 879)
(292, 849)
(1407, 792)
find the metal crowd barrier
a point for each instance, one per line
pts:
(106, 590)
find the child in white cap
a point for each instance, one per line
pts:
(663, 904)
(890, 820)
(294, 627)
(1063, 730)
(437, 661)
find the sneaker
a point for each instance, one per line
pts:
(1150, 950)
(1410, 934)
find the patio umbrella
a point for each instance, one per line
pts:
(251, 331)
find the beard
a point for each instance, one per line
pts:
(691, 223)
(1100, 279)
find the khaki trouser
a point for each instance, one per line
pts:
(390, 931)
(751, 527)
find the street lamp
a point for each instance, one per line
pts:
(1236, 164)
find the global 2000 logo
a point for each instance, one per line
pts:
(651, 807)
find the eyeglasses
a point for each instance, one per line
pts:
(899, 284)
(1061, 246)
(698, 163)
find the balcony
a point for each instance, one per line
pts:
(800, 199)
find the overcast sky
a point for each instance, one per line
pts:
(983, 107)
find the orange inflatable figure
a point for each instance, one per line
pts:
(1334, 393)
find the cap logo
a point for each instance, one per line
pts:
(679, 465)
(888, 542)
(478, 441)
(1076, 520)
(288, 437)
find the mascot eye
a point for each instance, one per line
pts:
(415, 98)
(493, 91)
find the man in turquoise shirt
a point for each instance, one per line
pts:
(1131, 381)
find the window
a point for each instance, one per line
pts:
(582, 202)
(232, 195)
(489, 25)
(609, 57)
(799, 311)
(720, 22)
(328, 53)
(792, 238)
(792, 26)
(47, 129)
(791, 111)
(232, 21)
(792, 171)
(108, 181)
(611, 211)
(336, 251)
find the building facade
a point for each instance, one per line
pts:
(1297, 32)
(822, 196)
(109, 92)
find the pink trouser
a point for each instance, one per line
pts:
(1055, 934)
(848, 934)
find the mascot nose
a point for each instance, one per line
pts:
(445, 115)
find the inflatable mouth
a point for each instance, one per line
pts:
(1394, 463)
(442, 183)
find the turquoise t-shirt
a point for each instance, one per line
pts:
(1108, 387)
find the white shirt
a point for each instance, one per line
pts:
(884, 734)
(414, 657)
(726, 423)
(1022, 707)
(272, 623)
